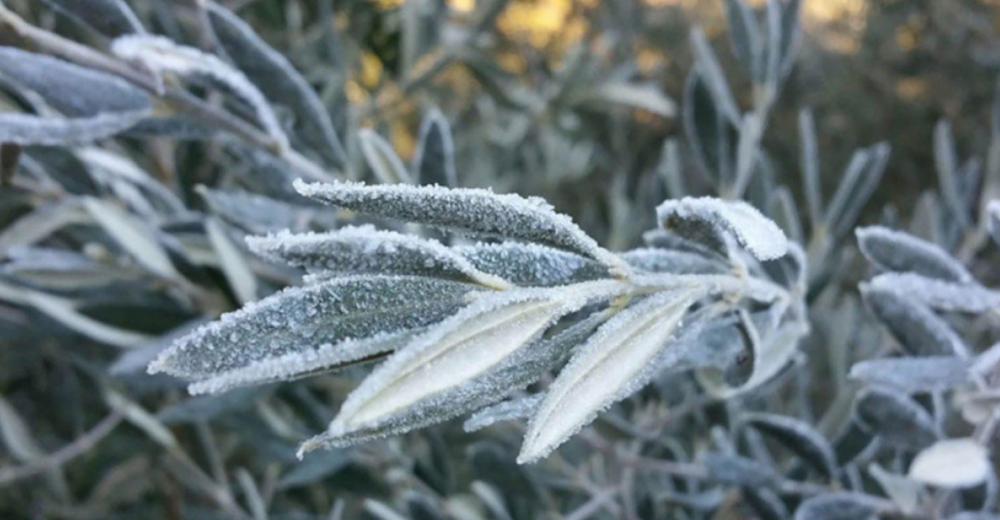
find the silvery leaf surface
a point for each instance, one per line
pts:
(532, 264)
(891, 250)
(278, 79)
(468, 345)
(708, 220)
(366, 250)
(301, 319)
(612, 365)
(896, 417)
(799, 437)
(518, 370)
(478, 212)
(913, 375)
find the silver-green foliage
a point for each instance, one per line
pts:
(466, 326)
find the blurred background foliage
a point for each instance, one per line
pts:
(567, 100)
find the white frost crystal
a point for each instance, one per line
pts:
(758, 234)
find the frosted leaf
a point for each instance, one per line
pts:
(434, 162)
(232, 261)
(733, 470)
(766, 503)
(366, 250)
(459, 349)
(897, 418)
(892, 250)
(479, 212)
(905, 492)
(768, 356)
(952, 463)
(613, 363)
(913, 375)
(519, 369)
(133, 235)
(257, 213)
(664, 239)
(97, 105)
(532, 264)
(841, 505)
(656, 260)
(109, 17)
(299, 319)
(24, 129)
(799, 438)
(277, 78)
(938, 294)
(385, 164)
(759, 235)
(303, 363)
(919, 331)
(71, 89)
(505, 411)
(159, 54)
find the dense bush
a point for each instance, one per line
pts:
(206, 243)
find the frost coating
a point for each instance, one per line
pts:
(532, 264)
(897, 251)
(476, 211)
(523, 367)
(953, 463)
(658, 260)
(505, 411)
(297, 319)
(938, 294)
(798, 437)
(366, 250)
(913, 375)
(758, 234)
(459, 349)
(300, 364)
(160, 54)
(603, 369)
(24, 129)
(917, 329)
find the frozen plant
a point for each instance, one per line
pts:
(463, 327)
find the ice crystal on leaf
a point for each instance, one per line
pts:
(465, 327)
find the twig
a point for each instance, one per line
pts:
(78, 447)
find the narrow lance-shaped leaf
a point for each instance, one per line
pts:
(809, 163)
(524, 366)
(913, 375)
(160, 54)
(612, 365)
(476, 211)
(744, 33)
(656, 260)
(946, 163)
(897, 418)
(919, 331)
(97, 105)
(532, 264)
(860, 178)
(133, 235)
(383, 161)
(233, 262)
(300, 319)
(938, 294)
(701, 218)
(799, 438)
(770, 354)
(461, 348)
(434, 162)
(366, 250)
(109, 17)
(714, 78)
(893, 250)
(274, 75)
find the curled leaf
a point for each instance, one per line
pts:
(698, 217)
